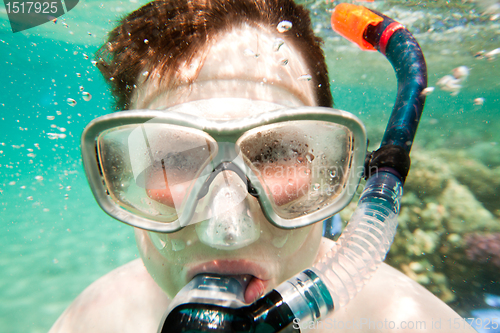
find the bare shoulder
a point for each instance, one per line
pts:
(124, 300)
(392, 302)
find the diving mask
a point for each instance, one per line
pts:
(152, 169)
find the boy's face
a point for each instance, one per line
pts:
(254, 64)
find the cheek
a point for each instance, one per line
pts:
(164, 270)
(299, 245)
(171, 196)
(158, 189)
(300, 250)
(286, 183)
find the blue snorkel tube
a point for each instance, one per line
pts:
(215, 303)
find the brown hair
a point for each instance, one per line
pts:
(164, 34)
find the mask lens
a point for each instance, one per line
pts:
(303, 165)
(149, 169)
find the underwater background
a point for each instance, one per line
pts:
(55, 240)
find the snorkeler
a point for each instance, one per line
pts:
(227, 166)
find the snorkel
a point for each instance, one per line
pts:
(215, 303)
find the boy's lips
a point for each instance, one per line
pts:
(255, 288)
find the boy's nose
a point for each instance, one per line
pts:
(230, 225)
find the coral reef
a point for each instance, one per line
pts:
(483, 248)
(447, 198)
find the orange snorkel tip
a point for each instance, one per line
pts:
(350, 21)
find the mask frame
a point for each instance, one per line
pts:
(222, 131)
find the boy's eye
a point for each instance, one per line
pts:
(187, 160)
(280, 145)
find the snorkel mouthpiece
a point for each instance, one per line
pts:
(332, 282)
(213, 303)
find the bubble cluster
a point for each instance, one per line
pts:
(55, 136)
(453, 83)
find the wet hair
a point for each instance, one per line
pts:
(163, 35)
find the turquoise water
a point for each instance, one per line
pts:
(56, 240)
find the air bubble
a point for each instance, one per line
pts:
(12, 183)
(283, 62)
(29, 198)
(316, 187)
(278, 43)
(51, 117)
(332, 173)
(71, 102)
(284, 26)
(86, 96)
(78, 75)
(85, 56)
(427, 91)
(305, 77)
(39, 177)
(81, 88)
(290, 181)
(250, 53)
(479, 101)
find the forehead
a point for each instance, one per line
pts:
(246, 62)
